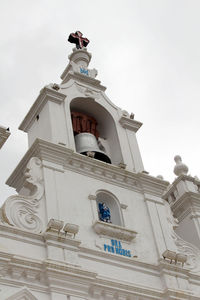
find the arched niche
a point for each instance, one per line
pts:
(103, 196)
(105, 125)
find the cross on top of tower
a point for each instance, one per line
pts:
(78, 39)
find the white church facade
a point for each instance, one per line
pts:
(87, 221)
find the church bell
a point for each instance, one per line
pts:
(86, 143)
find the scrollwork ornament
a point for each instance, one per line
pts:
(21, 211)
(184, 247)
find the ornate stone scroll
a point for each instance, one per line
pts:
(183, 247)
(21, 211)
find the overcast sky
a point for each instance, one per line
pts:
(147, 53)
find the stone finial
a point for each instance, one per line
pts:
(180, 168)
(81, 57)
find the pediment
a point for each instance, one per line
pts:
(22, 294)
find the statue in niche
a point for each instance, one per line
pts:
(104, 213)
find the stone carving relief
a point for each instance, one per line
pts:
(21, 211)
(89, 72)
(87, 91)
(183, 247)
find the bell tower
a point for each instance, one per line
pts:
(87, 221)
(78, 115)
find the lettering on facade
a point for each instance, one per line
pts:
(84, 71)
(116, 247)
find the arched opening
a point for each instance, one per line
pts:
(103, 127)
(108, 203)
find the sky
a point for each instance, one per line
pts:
(147, 53)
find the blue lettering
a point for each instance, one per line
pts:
(113, 242)
(116, 244)
(116, 247)
(83, 71)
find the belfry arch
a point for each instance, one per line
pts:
(106, 126)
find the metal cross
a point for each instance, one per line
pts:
(78, 39)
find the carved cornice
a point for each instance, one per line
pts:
(70, 160)
(46, 94)
(152, 185)
(21, 235)
(130, 124)
(84, 80)
(4, 134)
(111, 230)
(36, 273)
(172, 187)
(189, 202)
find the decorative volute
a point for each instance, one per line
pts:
(180, 168)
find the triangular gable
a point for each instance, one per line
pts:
(22, 294)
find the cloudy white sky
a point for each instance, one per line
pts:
(147, 53)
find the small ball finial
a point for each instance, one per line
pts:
(180, 168)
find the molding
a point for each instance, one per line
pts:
(115, 231)
(4, 134)
(106, 286)
(154, 199)
(152, 185)
(49, 275)
(172, 187)
(84, 80)
(46, 94)
(189, 202)
(130, 124)
(87, 92)
(131, 263)
(177, 270)
(70, 160)
(23, 293)
(19, 234)
(172, 294)
(44, 150)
